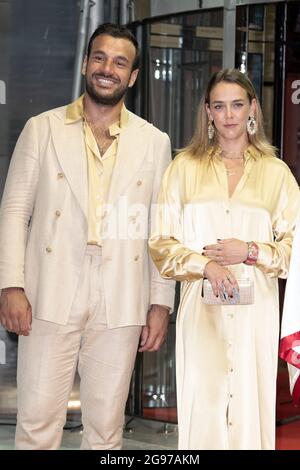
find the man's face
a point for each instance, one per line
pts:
(108, 70)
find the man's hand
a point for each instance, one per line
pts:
(155, 331)
(15, 311)
(228, 251)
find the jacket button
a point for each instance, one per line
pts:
(60, 175)
(57, 213)
(49, 249)
(139, 183)
(136, 257)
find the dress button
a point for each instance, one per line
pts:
(139, 183)
(49, 249)
(57, 213)
(60, 175)
(136, 257)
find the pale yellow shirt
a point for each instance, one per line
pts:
(100, 167)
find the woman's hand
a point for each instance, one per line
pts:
(228, 251)
(221, 279)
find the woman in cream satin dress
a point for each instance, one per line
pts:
(225, 189)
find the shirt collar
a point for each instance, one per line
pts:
(74, 113)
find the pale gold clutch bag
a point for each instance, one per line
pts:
(245, 295)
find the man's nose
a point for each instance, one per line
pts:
(108, 66)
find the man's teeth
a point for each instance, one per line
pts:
(105, 81)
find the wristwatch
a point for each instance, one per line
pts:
(253, 251)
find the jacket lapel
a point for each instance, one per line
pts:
(69, 144)
(130, 155)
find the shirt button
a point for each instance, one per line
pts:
(60, 175)
(231, 315)
(49, 249)
(231, 369)
(229, 344)
(139, 183)
(57, 213)
(230, 423)
(231, 396)
(136, 257)
(227, 211)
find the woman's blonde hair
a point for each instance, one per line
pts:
(200, 143)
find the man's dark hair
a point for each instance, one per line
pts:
(116, 31)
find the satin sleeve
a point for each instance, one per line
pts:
(172, 258)
(274, 257)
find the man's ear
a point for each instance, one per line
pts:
(83, 70)
(133, 77)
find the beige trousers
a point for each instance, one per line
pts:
(47, 361)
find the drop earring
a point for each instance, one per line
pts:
(251, 125)
(210, 130)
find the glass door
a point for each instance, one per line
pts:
(184, 50)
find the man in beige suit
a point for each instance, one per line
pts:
(77, 283)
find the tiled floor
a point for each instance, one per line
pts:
(139, 435)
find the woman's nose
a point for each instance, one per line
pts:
(228, 112)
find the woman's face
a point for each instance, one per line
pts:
(229, 109)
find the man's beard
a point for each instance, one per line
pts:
(110, 100)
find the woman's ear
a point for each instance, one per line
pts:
(253, 107)
(208, 112)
